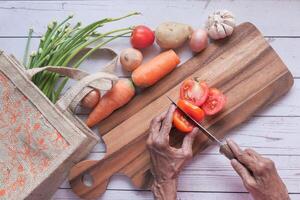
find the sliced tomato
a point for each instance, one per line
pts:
(215, 102)
(194, 92)
(194, 111)
(181, 123)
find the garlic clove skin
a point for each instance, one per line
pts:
(213, 33)
(220, 24)
(221, 31)
(228, 29)
(229, 22)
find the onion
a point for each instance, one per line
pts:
(130, 59)
(91, 99)
(198, 40)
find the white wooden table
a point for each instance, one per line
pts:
(273, 132)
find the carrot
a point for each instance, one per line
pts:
(119, 95)
(149, 73)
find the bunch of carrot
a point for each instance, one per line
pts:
(145, 75)
(119, 95)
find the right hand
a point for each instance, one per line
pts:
(258, 174)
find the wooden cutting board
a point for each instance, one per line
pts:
(244, 67)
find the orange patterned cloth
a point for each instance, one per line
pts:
(28, 142)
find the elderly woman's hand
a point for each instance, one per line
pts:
(167, 161)
(259, 174)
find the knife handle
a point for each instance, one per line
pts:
(226, 151)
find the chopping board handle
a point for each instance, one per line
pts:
(86, 182)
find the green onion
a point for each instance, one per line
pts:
(27, 48)
(61, 43)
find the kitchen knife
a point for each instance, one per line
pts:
(224, 148)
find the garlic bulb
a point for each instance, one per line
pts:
(220, 24)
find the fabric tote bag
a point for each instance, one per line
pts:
(40, 141)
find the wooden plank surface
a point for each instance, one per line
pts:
(269, 16)
(213, 173)
(279, 125)
(147, 195)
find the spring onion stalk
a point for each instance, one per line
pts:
(59, 46)
(27, 47)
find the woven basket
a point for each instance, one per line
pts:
(40, 141)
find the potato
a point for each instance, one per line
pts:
(171, 35)
(130, 59)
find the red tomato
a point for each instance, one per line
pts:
(215, 102)
(181, 123)
(194, 111)
(194, 92)
(142, 37)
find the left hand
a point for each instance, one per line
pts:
(167, 161)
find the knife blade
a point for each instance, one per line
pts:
(224, 148)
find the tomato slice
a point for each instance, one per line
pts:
(194, 111)
(181, 123)
(215, 102)
(194, 92)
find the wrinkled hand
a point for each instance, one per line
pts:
(259, 174)
(167, 161)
